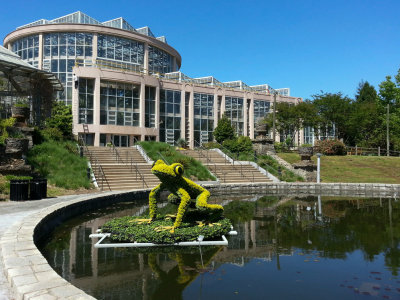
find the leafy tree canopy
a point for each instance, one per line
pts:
(61, 118)
(224, 130)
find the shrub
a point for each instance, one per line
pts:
(240, 144)
(224, 130)
(3, 128)
(61, 118)
(330, 147)
(181, 143)
(52, 134)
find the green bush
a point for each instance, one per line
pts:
(52, 134)
(224, 130)
(61, 118)
(55, 161)
(330, 147)
(238, 145)
(4, 123)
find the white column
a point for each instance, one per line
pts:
(215, 109)
(142, 106)
(251, 117)
(245, 121)
(191, 119)
(157, 113)
(94, 47)
(222, 105)
(146, 59)
(96, 110)
(40, 65)
(183, 113)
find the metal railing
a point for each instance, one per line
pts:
(128, 162)
(201, 150)
(235, 167)
(163, 158)
(253, 157)
(97, 169)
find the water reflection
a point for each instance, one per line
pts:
(346, 245)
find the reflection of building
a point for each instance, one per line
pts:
(130, 86)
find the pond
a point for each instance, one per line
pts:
(286, 248)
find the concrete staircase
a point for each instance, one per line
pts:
(124, 169)
(225, 170)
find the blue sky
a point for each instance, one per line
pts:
(306, 45)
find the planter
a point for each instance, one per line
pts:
(20, 113)
(261, 128)
(306, 152)
(17, 145)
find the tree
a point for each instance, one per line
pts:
(388, 91)
(365, 122)
(366, 93)
(61, 118)
(333, 109)
(224, 130)
(389, 94)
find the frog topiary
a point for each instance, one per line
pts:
(182, 191)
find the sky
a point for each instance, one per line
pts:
(308, 46)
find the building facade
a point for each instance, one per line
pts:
(128, 84)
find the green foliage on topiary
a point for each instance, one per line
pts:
(126, 229)
(330, 147)
(224, 130)
(182, 191)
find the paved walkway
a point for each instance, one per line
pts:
(14, 211)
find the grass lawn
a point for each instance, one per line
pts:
(363, 169)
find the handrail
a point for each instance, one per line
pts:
(138, 172)
(163, 158)
(209, 160)
(119, 159)
(233, 164)
(94, 161)
(115, 151)
(253, 156)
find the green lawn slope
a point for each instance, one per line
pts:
(362, 169)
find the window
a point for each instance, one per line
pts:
(170, 116)
(119, 103)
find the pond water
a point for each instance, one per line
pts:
(286, 248)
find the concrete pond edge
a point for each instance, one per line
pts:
(31, 277)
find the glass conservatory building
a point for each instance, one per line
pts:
(124, 83)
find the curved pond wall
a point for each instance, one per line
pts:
(30, 276)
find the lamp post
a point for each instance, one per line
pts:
(387, 132)
(319, 167)
(274, 117)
